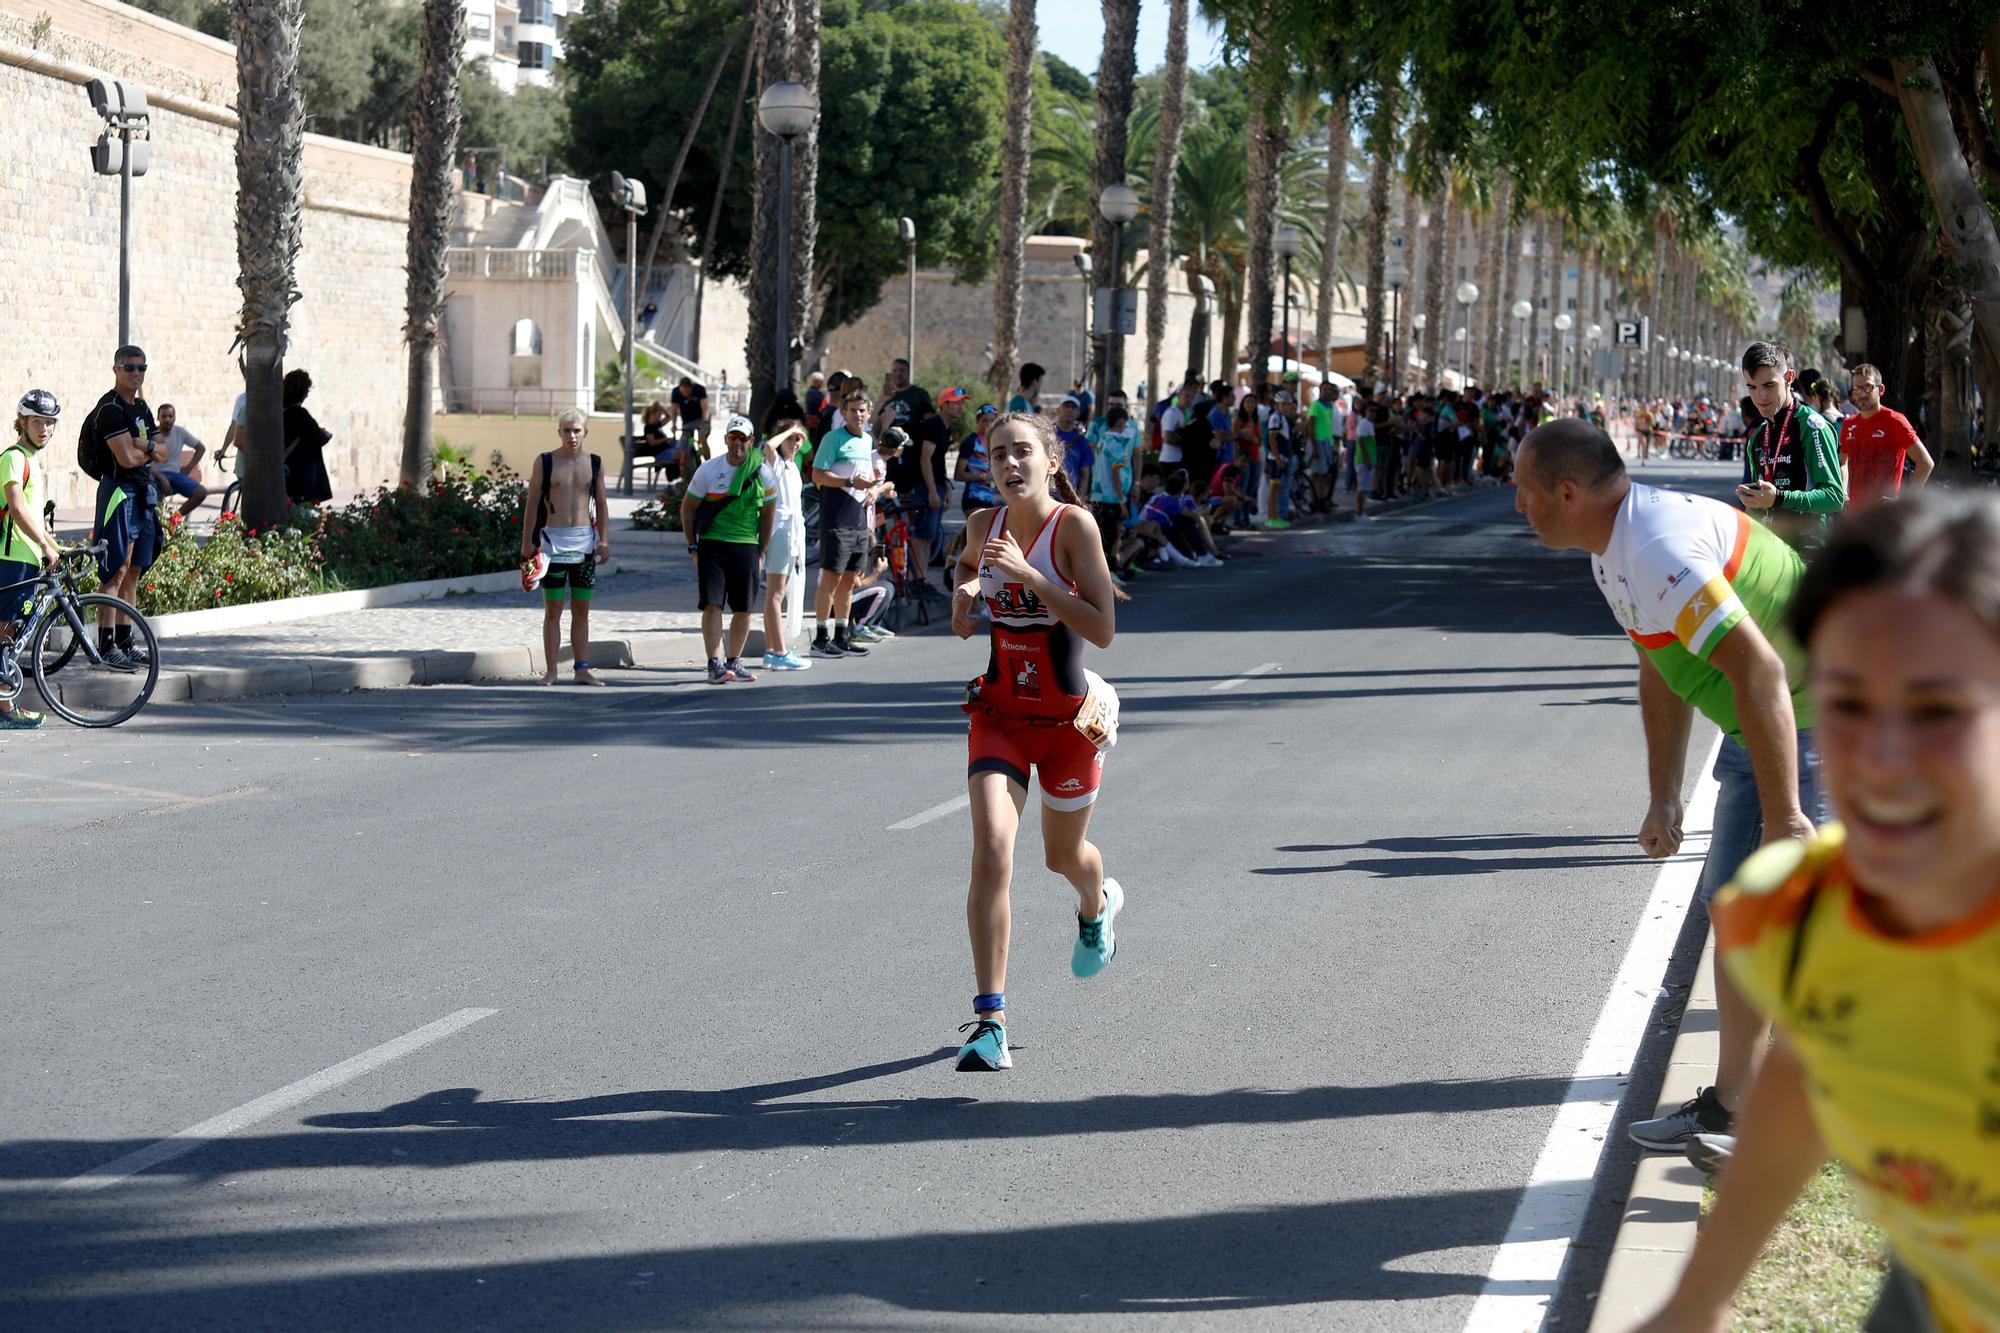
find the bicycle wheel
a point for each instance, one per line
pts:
(102, 696)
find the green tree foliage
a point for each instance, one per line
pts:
(910, 96)
(530, 125)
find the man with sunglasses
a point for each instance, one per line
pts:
(128, 501)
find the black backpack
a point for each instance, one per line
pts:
(542, 505)
(93, 455)
(1197, 431)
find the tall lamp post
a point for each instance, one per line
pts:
(1520, 310)
(1083, 271)
(1590, 338)
(118, 153)
(786, 110)
(1564, 322)
(629, 196)
(1467, 294)
(1418, 323)
(1288, 241)
(908, 227)
(1119, 204)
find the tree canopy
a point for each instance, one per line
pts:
(910, 103)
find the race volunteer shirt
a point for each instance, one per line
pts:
(113, 416)
(1111, 464)
(1874, 449)
(1680, 573)
(846, 455)
(739, 522)
(1900, 1038)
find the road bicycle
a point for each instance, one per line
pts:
(55, 647)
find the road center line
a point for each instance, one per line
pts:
(958, 802)
(1527, 1269)
(1249, 675)
(271, 1103)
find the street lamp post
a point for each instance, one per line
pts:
(1467, 294)
(1560, 355)
(1287, 242)
(123, 107)
(786, 110)
(1418, 323)
(1590, 337)
(1119, 204)
(630, 197)
(1083, 271)
(1205, 296)
(909, 229)
(1520, 310)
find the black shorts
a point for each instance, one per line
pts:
(844, 550)
(727, 573)
(578, 578)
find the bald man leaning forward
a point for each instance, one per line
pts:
(1702, 590)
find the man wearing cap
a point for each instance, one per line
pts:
(843, 467)
(727, 515)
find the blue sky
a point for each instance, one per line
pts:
(1074, 30)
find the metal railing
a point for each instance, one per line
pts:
(545, 265)
(511, 402)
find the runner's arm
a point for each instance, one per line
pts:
(1778, 1147)
(1770, 728)
(1828, 493)
(965, 575)
(1667, 720)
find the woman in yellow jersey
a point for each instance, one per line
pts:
(1875, 950)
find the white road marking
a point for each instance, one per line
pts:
(1528, 1267)
(1249, 675)
(959, 802)
(271, 1103)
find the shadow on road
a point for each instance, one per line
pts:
(1462, 854)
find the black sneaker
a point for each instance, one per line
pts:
(1702, 1113)
(827, 648)
(849, 648)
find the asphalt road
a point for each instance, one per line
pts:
(1375, 896)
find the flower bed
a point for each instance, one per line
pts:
(235, 565)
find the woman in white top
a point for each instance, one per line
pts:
(785, 557)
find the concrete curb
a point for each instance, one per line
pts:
(215, 620)
(1663, 1209)
(663, 649)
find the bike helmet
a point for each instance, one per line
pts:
(38, 403)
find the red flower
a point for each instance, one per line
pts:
(152, 587)
(229, 578)
(218, 592)
(225, 516)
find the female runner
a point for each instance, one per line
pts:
(1039, 566)
(1875, 950)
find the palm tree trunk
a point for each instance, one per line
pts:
(663, 212)
(1656, 352)
(1492, 356)
(1416, 250)
(787, 43)
(1437, 263)
(270, 197)
(1539, 295)
(1267, 150)
(1374, 323)
(1166, 162)
(1117, 63)
(1015, 144)
(434, 117)
(1232, 329)
(721, 192)
(1510, 292)
(1339, 140)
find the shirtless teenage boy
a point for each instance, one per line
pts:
(565, 490)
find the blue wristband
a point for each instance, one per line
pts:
(989, 1004)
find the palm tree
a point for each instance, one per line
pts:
(434, 115)
(1016, 141)
(270, 195)
(1267, 152)
(1166, 167)
(1493, 249)
(1339, 140)
(786, 40)
(1383, 146)
(1116, 65)
(1209, 205)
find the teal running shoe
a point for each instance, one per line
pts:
(986, 1052)
(1096, 942)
